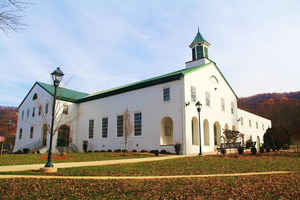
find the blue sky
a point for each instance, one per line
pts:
(103, 44)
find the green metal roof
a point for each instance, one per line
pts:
(198, 39)
(63, 93)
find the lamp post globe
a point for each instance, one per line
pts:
(56, 76)
(199, 107)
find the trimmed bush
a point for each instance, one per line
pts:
(134, 150)
(155, 152)
(124, 150)
(109, 150)
(26, 151)
(144, 151)
(163, 151)
(261, 150)
(103, 150)
(117, 150)
(241, 150)
(223, 151)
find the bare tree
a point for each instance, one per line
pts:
(128, 127)
(11, 14)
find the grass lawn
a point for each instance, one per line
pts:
(274, 161)
(250, 187)
(22, 159)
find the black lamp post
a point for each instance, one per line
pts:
(57, 76)
(199, 106)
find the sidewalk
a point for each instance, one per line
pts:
(144, 177)
(15, 168)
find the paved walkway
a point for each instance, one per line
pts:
(15, 168)
(144, 177)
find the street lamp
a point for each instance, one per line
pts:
(57, 76)
(199, 106)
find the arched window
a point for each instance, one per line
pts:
(166, 131)
(195, 131)
(35, 96)
(20, 133)
(44, 134)
(217, 133)
(206, 132)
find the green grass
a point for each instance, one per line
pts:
(22, 159)
(250, 187)
(281, 161)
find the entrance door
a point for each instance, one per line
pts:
(63, 136)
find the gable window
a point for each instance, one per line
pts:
(91, 128)
(137, 124)
(207, 98)
(20, 134)
(223, 104)
(31, 132)
(22, 114)
(66, 109)
(166, 94)
(33, 111)
(120, 125)
(193, 94)
(104, 127)
(35, 96)
(46, 108)
(40, 110)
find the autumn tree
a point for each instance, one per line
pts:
(11, 14)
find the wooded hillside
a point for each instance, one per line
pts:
(282, 108)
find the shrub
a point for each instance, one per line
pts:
(253, 150)
(26, 151)
(134, 150)
(177, 148)
(240, 150)
(117, 150)
(261, 150)
(163, 151)
(223, 151)
(144, 151)
(90, 151)
(124, 150)
(109, 150)
(103, 150)
(19, 151)
(156, 152)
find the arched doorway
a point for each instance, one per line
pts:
(166, 131)
(44, 134)
(217, 133)
(63, 136)
(206, 132)
(195, 131)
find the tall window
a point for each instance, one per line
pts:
(194, 53)
(33, 111)
(223, 104)
(193, 94)
(120, 125)
(199, 52)
(27, 113)
(104, 127)
(242, 121)
(206, 52)
(256, 125)
(66, 109)
(263, 126)
(166, 94)
(232, 108)
(250, 125)
(46, 108)
(91, 128)
(22, 114)
(31, 132)
(137, 124)
(207, 98)
(20, 134)
(40, 110)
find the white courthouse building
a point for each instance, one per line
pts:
(162, 111)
